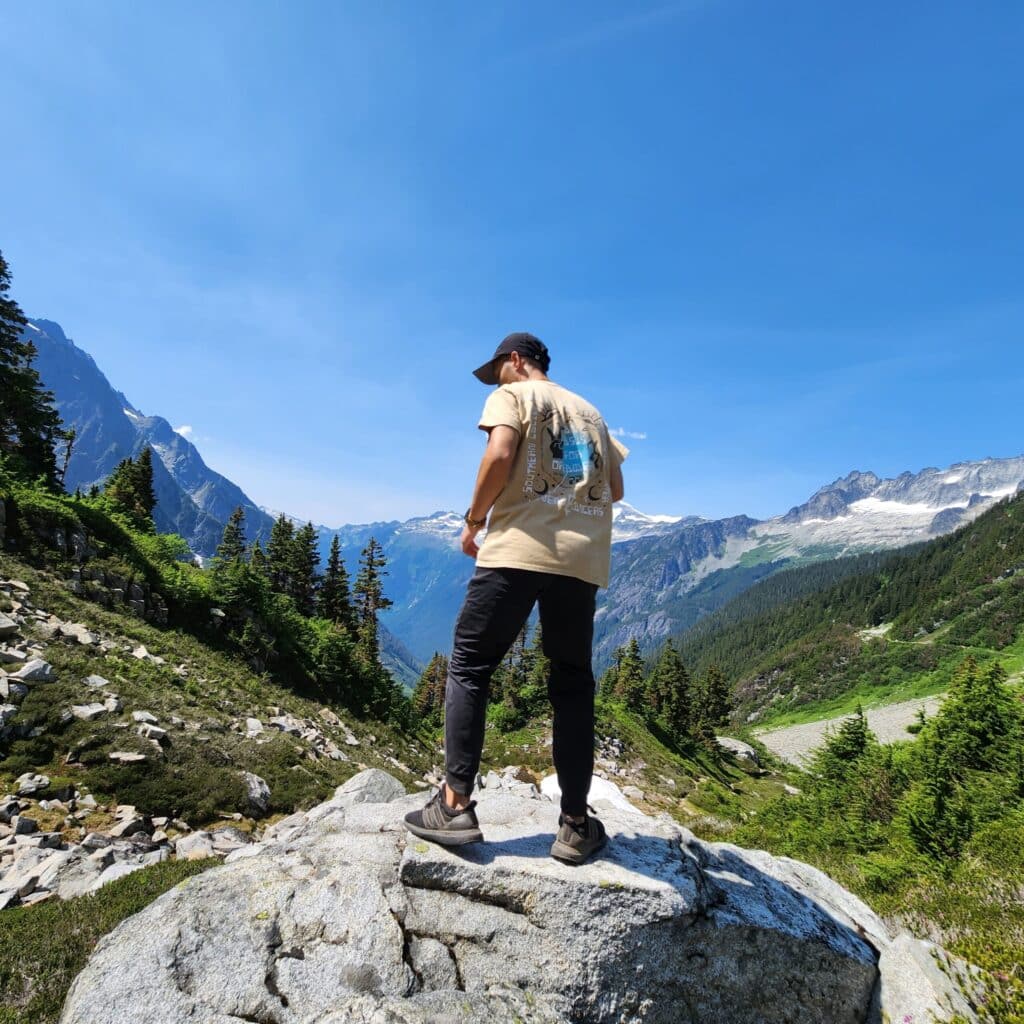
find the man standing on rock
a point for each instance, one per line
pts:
(548, 478)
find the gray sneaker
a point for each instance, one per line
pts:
(575, 842)
(435, 823)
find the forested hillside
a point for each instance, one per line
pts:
(876, 622)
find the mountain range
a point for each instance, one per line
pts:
(667, 571)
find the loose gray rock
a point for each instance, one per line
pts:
(126, 757)
(145, 716)
(287, 724)
(96, 682)
(194, 846)
(131, 825)
(88, 712)
(30, 783)
(371, 786)
(35, 671)
(345, 917)
(743, 751)
(115, 871)
(76, 631)
(8, 627)
(257, 794)
(226, 840)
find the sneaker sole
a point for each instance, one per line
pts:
(445, 838)
(571, 855)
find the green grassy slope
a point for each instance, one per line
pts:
(796, 647)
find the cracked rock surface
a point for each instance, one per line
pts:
(341, 916)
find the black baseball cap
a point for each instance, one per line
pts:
(522, 342)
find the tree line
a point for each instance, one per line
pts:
(683, 706)
(679, 706)
(291, 567)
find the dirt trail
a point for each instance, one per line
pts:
(889, 723)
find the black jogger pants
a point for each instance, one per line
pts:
(498, 603)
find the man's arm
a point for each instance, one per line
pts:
(617, 452)
(495, 469)
(618, 488)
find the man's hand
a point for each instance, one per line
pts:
(469, 544)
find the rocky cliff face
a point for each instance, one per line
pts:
(192, 499)
(341, 916)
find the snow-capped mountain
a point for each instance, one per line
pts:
(628, 522)
(662, 584)
(667, 571)
(860, 508)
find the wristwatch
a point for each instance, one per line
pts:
(474, 524)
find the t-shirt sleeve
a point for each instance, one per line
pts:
(619, 451)
(501, 409)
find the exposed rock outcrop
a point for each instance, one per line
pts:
(341, 916)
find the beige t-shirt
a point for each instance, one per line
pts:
(555, 512)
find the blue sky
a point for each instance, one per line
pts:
(779, 241)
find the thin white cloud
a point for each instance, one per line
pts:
(610, 30)
(185, 430)
(633, 435)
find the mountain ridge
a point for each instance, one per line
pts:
(667, 571)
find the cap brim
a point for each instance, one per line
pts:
(485, 373)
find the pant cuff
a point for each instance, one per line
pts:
(457, 785)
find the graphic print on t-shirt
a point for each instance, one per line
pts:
(564, 465)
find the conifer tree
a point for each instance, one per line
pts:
(335, 595)
(369, 598)
(428, 696)
(129, 489)
(711, 703)
(29, 423)
(499, 683)
(144, 481)
(280, 550)
(258, 560)
(68, 437)
(305, 578)
(232, 542)
(670, 692)
(518, 670)
(538, 670)
(629, 681)
(608, 683)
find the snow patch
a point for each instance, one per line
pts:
(875, 506)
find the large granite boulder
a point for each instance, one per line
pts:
(343, 916)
